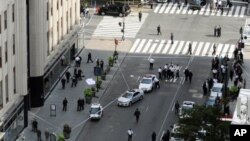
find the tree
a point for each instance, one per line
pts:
(204, 123)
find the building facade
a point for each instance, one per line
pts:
(53, 36)
(13, 67)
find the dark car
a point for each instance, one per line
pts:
(196, 4)
(117, 9)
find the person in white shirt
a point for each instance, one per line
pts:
(130, 134)
(151, 63)
(160, 73)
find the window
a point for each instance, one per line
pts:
(57, 5)
(0, 57)
(48, 52)
(70, 18)
(6, 89)
(57, 24)
(14, 48)
(6, 52)
(61, 2)
(61, 28)
(0, 24)
(47, 11)
(13, 12)
(5, 19)
(67, 21)
(1, 94)
(14, 79)
(51, 11)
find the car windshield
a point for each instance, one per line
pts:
(95, 110)
(127, 95)
(216, 89)
(146, 81)
(185, 107)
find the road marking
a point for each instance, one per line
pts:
(138, 78)
(146, 109)
(162, 134)
(147, 46)
(137, 41)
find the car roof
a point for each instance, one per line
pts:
(188, 103)
(95, 105)
(133, 90)
(218, 85)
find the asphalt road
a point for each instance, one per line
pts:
(157, 107)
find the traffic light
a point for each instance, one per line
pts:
(120, 24)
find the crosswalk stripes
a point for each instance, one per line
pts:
(109, 26)
(180, 47)
(172, 8)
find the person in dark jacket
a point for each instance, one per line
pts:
(153, 136)
(137, 114)
(65, 103)
(63, 81)
(67, 74)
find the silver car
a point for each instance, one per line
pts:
(130, 97)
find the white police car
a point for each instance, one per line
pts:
(148, 82)
(96, 111)
(186, 105)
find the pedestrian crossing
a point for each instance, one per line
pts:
(150, 46)
(172, 8)
(109, 26)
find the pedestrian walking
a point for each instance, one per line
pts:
(172, 38)
(130, 134)
(79, 104)
(46, 134)
(219, 31)
(79, 74)
(67, 74)
(176, 106)
(204, 87)
(39, 135)
(157, 82)
(214, 49)
(101, 64)
(65, 103)
(215, 31)
(179, 4)
(190, 75)
(89, 58)
(73, 81)
(62, 60)
(231, 74)
(190, 49)
(160, 73)
(77, 61)
(82, 104)
(185, 2)
(137, 114)
(153, 136)
(186, 72)
(151, 63)
(63, 81)
(166, 136)
(140, 16)
(34, 125)
(158, 30)
(97, 62)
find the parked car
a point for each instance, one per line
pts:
(217, 90)
(186, 105)
(96, 111)
(148, 82)
(117, 9)
(130, 97)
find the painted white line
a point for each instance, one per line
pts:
(147, 46)
(174, 8)
(162, 8)
(153, 47)
(193, 46)
(140, 46)
(173, 47)
(185, 49)
(160, 46)
(157, 8)
(190, 11)
(230, 53)
(205, 50)
(242, 13)
(231, 11)
(218, 50)
(138, 79)
(237, 11)
(184, 11)
(198, 50)
(166, 48)
(179, 48)
(168, 8)
(163, 132)
(225, 49)
(179, 10)
(135, 45)
(147, 109)
(195, 12)
(207, 10)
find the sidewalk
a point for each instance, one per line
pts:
(76, 119)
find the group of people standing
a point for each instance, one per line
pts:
(169, 71)
(217, 31)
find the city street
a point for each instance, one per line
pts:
(157, 112)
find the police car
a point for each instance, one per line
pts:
(186, 105)
(148, 82)
(96, 111)
(130, 97)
